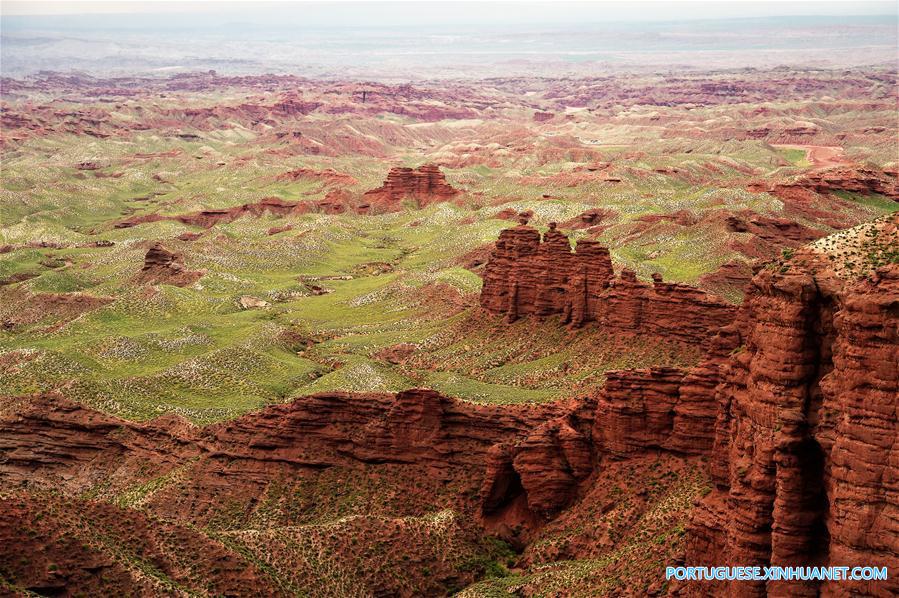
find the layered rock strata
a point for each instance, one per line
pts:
(529, 276)
(423, 185)
(50, 441)
(865, 181)
(794, 407)
(805, 460)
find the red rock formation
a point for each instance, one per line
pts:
(590, 219)
(635, 409)
(665, 408)
(862, 180)
(328, 176)
(424, 185)
(794, 405)
(162, 266)
(337, 201)
(526, 276)
(396, 354)
(52, 441)
(807, 421)
(769, 234)
(532, 477)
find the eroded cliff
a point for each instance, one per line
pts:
(527, 275)
(423, 185)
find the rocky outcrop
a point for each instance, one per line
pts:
(635, 410)
(532, 477)
(764, 237)
(866, 181)
(52, 441)
(56, 443)
(415, 426)
(328, 176)
(423, 185)
(807, 421)
(528, 277)
(794, 407)
(665, 408)
(525, 276)
(162, 266)
(779, 230)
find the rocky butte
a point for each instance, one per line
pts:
(530, 275)
(423, 185)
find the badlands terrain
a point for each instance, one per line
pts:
(541, 336)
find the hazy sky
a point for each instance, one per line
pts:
(436, 13)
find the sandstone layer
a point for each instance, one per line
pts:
(423, 185)
(527, 275)
(805, 449)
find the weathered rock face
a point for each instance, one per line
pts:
(528, 277)
(807, 418)
(781, 230)
(64, 445)
(795, 406)
(666, 408)
(768, 235)
(859, 180)
(533, 476)
(57, 442)
(427, 450)
(425, 185)
(162, 266)
(635, 410)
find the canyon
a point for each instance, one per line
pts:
(791, 410)
(537, 335)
